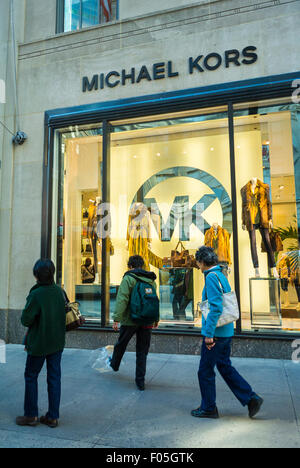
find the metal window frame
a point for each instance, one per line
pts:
(105, 113)
(60, 15)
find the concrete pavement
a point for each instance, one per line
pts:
(106, 410)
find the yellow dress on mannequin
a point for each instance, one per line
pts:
(138, 232)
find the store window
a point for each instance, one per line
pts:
(77, 246)
(161, 187)
(73, 15)
(267, 155)
(171, 192)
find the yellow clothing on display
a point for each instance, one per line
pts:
(254, 206)
(219, 240)
(139, 246)
(283, 268)
(138, 232)
(154, 260)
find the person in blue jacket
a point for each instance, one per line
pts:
(216, 347)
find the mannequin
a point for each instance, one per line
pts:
(92, 235)
(138, 232)
(92, 229)
(257, 215)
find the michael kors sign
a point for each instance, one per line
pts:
(164, 70)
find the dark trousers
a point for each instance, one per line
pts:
(143, 339)
(34, 366)
(266, 240)
(219, 357)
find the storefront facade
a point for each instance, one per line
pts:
(182, 125)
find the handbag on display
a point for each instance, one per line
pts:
(231, 312)
(182, 259)
(179, 259)
(74, 319)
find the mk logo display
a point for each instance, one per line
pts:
(180, 212)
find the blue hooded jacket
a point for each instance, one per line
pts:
(213, 293)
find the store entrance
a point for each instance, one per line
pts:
(79, 246)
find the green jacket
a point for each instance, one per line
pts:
(45, 316)
(122, 310)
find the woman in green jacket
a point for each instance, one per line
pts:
(45, 317)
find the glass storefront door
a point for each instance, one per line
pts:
(77, 196)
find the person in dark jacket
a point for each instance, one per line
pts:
(216, 347)
(128, 327)
(45, 317)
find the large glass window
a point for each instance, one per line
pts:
(77, 245)
(267, 155)
(169, 184)
(80, 14)
(171, 191)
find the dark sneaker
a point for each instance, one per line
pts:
(140, 386)
(254, 406)
(199, 413)
(53, 423)
(108, 363)
(24, 421)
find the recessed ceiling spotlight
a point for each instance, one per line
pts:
(212, 149)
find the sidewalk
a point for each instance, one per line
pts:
(106, 410)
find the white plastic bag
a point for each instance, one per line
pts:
(100, 359)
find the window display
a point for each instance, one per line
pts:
(267, 146)
(170, 190)
(169, 183)
(79, 245)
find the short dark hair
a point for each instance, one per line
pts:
(207, 256)
(44, 271)
(136, 261)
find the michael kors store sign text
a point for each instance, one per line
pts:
(164, 70)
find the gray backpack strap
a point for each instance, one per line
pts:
(222, 289)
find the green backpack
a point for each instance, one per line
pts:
(144, 303)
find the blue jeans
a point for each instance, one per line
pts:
(34, 366)
(219, 356)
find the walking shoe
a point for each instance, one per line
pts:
(25, 421)
(108, 364)
(199, 413)
(53, 423)
(254, 405)
(140, 386)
